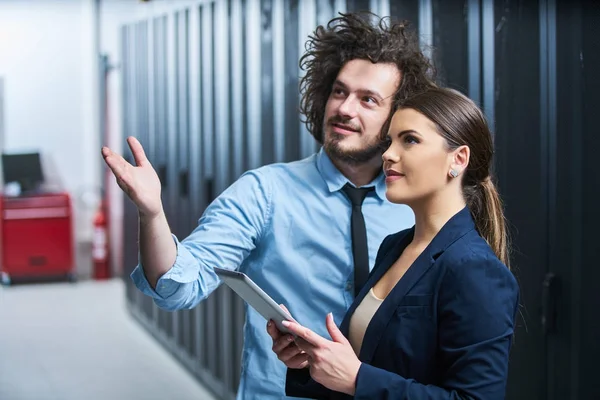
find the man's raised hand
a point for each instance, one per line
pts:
(140, 181)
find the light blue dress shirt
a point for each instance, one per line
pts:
(287, 226)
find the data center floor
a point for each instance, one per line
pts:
(76, 341)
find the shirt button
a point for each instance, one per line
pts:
(349, 286)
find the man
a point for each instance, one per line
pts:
(288, 226)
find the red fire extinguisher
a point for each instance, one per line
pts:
(100, 251)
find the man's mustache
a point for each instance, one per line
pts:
(339, 120)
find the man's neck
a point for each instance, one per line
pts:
(360, 174)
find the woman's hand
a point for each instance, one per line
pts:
(332, 363)
(283, 345)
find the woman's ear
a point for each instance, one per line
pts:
(460, 159)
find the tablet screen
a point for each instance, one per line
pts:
(252, 294)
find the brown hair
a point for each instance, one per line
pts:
(461, 122)
(350, 37)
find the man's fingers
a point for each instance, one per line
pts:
(117, 165)
(106, 152)
(137, 150)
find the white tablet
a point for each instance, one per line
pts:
(241, 284)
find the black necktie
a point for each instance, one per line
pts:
(360, 250)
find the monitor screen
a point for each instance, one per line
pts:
(25, 168)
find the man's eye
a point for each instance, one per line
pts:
(370, 100)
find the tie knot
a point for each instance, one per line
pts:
(356, 195)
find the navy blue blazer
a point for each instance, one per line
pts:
(445, 329)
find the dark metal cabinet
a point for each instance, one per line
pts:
(211, 90)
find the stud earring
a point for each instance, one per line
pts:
(453, 173)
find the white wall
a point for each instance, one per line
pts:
(47, 61)
(1, 114)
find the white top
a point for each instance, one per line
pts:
(361, 318)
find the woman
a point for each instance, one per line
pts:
(436, 317)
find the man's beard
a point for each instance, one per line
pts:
(353, 157)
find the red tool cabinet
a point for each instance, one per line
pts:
(36, 237)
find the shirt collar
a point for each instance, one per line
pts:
(335, 180)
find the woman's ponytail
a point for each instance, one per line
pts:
(487, 211)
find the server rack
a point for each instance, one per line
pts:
(211, 90)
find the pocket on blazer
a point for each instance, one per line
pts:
(416, 306)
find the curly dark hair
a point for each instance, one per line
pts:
(354, 36)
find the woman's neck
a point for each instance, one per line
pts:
(432, 215)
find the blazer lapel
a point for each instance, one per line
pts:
(388, 307)
(455, 228)
(379, 270)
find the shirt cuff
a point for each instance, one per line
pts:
(185, 270)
